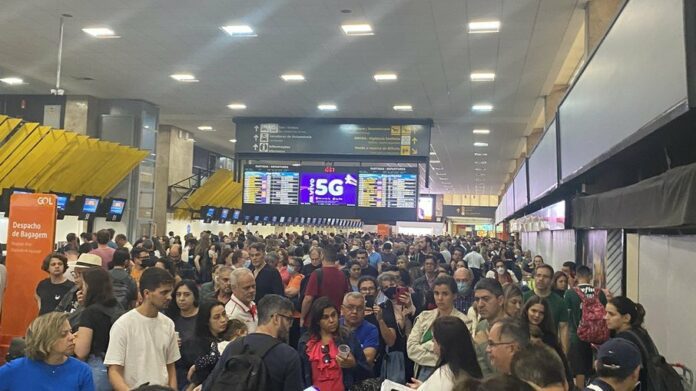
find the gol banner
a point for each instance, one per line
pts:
(30, 235)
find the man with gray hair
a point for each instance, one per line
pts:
(269, 341)
(241, 305)
(353, 310)
(506, 337)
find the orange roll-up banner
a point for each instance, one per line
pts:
(31, 232)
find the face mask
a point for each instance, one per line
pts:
(463, 287)
(291, 269)
(247, 263)
(390, 292)
(500, 270)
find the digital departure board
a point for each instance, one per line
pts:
(271, 185)
(387, 189)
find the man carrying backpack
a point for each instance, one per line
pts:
(584, 301)
(125, 288)
(263, 358)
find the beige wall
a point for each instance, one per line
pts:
(174, 163)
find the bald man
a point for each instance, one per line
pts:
(465, 292)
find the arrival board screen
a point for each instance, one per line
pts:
(271, 185)
(388, 189)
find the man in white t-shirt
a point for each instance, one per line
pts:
(475, 262)
(142, 344)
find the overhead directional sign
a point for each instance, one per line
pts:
(310, 136)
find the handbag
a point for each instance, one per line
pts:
(394, 367)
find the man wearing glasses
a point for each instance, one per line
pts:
(353, 310)
(270, 342)
(507, 336)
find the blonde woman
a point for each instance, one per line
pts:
(48, 364)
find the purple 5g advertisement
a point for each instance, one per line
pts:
(332, 188)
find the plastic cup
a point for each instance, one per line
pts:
(343, 351)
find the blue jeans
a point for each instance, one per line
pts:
(99, 373)
(425, 372)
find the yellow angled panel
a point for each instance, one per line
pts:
(52, 178)
(3, 118)
(29, 158)
(52, 146)
(7, 127)
(15, 141)
(131, 159)
(22, 147)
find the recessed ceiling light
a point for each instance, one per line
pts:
(234, 140)
(480, 144)
(385, 76)
(434, 162)
(481, 131)
(357, 29)
(101, 32)
(482, 76)
(241, 30)
(293, 77)
(13, 81)
(491, 26)
(184, 77)
(482, 107)
(327, 107)
(206, 128)
(403, 108)
(237, 106)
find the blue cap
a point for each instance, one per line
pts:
(619, 354)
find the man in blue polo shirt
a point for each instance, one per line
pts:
(353, 310)
(373, 256)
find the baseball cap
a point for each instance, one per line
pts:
(619, 354)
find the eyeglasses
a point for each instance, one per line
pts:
(353, 308)
(325, 351)
(289, 317)
(494, 344)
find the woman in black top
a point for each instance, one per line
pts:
(536, 314)
(50, 290)
(101, 310)
(625, 320)
(183, 309)
(202, 349)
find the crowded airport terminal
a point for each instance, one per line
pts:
(347, 195)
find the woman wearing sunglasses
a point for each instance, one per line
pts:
(323, 365)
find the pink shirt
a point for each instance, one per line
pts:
(106, 254)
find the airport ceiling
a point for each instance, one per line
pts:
(426, 43)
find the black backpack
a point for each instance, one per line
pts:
(661, 375)
(245, 369)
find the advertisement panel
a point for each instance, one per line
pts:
(330, 189)
(30, 237)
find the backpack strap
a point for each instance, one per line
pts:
(267, 345)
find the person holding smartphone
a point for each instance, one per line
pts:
(394, 319)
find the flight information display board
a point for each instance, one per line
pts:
(271, 185)
(387, 187)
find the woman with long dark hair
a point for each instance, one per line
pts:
(625, 320)
(202, 349)
(183, 309)
(536, 314)
(323, 366)
(457, 356)
(101, 310)
(202, 259)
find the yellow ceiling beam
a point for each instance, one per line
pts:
(23, 164)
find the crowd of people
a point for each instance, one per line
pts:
(326, 312)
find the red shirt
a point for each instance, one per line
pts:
(334, 285)
(326, 376)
